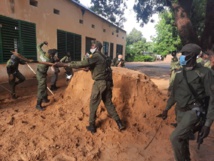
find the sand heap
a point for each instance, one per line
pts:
(59, 133)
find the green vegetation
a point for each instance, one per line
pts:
(167, 38)
(181, 22)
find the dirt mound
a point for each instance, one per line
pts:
(59, 133)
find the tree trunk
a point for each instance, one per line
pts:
(207, 40)
(184, 25)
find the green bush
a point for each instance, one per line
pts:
(140, 58)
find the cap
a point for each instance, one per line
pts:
(97, 43)
(191, 48)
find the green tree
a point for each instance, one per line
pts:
(112, 10)
(192, 28)
(167, 38)
(134, 36)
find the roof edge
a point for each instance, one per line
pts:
(84, 7)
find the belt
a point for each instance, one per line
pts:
(194, 107)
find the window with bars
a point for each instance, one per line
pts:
(69, 42)
(16, 35)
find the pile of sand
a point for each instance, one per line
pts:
(59, 133)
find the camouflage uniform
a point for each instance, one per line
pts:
(174, 66)
(55, 73)
(13, 73)
(41, 73)
(68, 70)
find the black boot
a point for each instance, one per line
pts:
(120, 125)
(13, 95)
(39, 105)
(91, 128)
(45, 100)
(54, 87)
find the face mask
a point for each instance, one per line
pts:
(93, 50)
(118, 59)
(183, 60)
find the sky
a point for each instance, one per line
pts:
(147, 31)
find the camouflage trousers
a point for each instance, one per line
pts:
(42, 85)
(13, 82)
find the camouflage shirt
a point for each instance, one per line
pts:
(43, 57)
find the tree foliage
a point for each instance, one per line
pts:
(167, 38)
(193, 18)
(134, 36)
(112, 10)
(137, 47)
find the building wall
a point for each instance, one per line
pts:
(70, 13)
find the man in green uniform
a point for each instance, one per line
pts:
(204, 59)
(192, 85)
(103, 83)
(174, 67)
(118, 62)
(13, 73)
(68, 70)
(55, 73)
(41, 74)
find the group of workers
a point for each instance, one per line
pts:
(96, 63)
(191, 89)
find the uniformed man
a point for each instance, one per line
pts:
(13, 73)
(55, 73)
(103, 83)
(174, 67)
(118, 62)
(204, 59)
(68, 70)
(192, 85)
(41, 74)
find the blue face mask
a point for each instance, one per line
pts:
(182, 60)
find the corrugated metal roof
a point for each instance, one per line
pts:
(84, 7)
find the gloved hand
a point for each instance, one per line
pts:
(45, 42)
(164, 114)
(204, 132)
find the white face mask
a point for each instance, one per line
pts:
(93, 50)
(119, 59)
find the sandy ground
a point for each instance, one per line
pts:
(59, 133)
